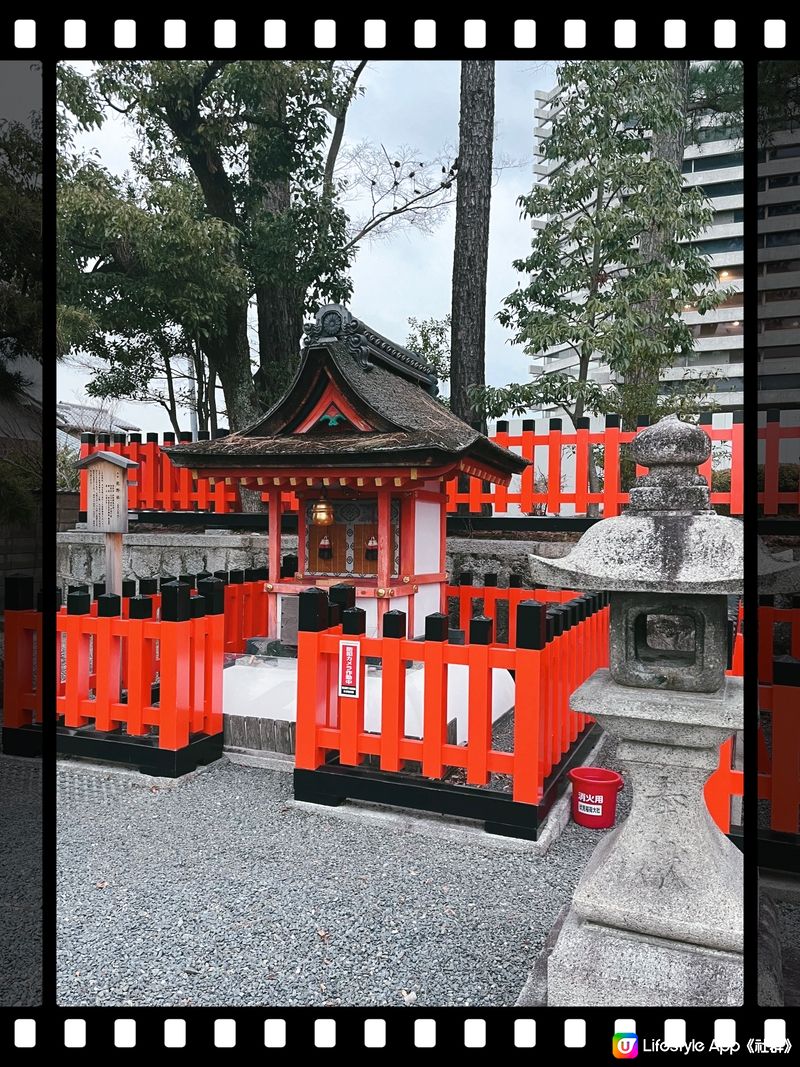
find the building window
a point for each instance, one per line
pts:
(720, 244)
(782, 266)
(789, 207)
(720, 162)
(786, 151)
(786, 322)
(782, 237)
(721, 189)
(780, 352)
(782, 181)
(772, 295)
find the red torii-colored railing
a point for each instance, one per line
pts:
(556, 478)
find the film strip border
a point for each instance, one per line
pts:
(254, 1028)
(277, 36)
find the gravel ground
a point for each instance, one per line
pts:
(20, 881)
(789, 917)
(215, 891)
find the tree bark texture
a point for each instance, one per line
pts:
(471, 252)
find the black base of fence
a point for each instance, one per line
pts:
(333, 783)
(233, 520)
(779, 852)
(141, 752)
(22, 740)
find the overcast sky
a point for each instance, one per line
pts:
(407, 273)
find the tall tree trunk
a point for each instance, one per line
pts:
(280, 327)
(471, 252)
(229, 355)
(642, 382)
(279, 298)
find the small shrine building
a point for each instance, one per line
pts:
(366, 447)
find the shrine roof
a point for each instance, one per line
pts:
(389, 392)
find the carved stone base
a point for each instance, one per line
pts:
(599, 966)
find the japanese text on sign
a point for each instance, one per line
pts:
(349, 656)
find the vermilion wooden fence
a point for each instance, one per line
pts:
(727, 781)
(544, 726)
(142, 671)
(776, 493)
(778, 700)
(558, 473)
(556, 479)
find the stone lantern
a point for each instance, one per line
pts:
(657, 916)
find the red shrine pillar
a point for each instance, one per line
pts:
(274, 549)
(384, 552)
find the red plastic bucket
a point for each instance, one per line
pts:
(594, 796)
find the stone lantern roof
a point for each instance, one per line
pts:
(668, 539)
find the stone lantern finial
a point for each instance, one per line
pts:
(672, 450)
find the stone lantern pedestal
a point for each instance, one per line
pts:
(657, 916)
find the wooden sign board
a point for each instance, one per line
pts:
(107, 498)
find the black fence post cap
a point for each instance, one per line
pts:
(148, 586)
(394, 623)
(515, 581)
(312, 612)
(481, 630)
(166, 579)
(212, 590)
(175, 597)
(78, 603)
(465, 578)
(128, 587)
(19, 593)
(140, 607)
(109, 605)
(334, 614)
(222, 575)
(236, 577)
(342, 594)
(490, 579)
(354, 621)
(98, 588)
(197, 606)
(436, 626)
(531, 624)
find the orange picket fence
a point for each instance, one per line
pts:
(557, 477)
(549, 660)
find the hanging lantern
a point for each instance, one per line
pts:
(371, 551)
(324, 547)
(322, 513)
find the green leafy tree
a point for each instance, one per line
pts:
(20, 249)
(431, 338)
(231, 224)
(611, 268)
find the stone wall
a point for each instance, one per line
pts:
(80, 555)
(67, 505)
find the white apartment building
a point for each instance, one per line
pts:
(779, 274)
(715, 165)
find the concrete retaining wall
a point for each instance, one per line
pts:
(80, 555)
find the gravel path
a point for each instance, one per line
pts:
(20, 881)
(216, 891)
